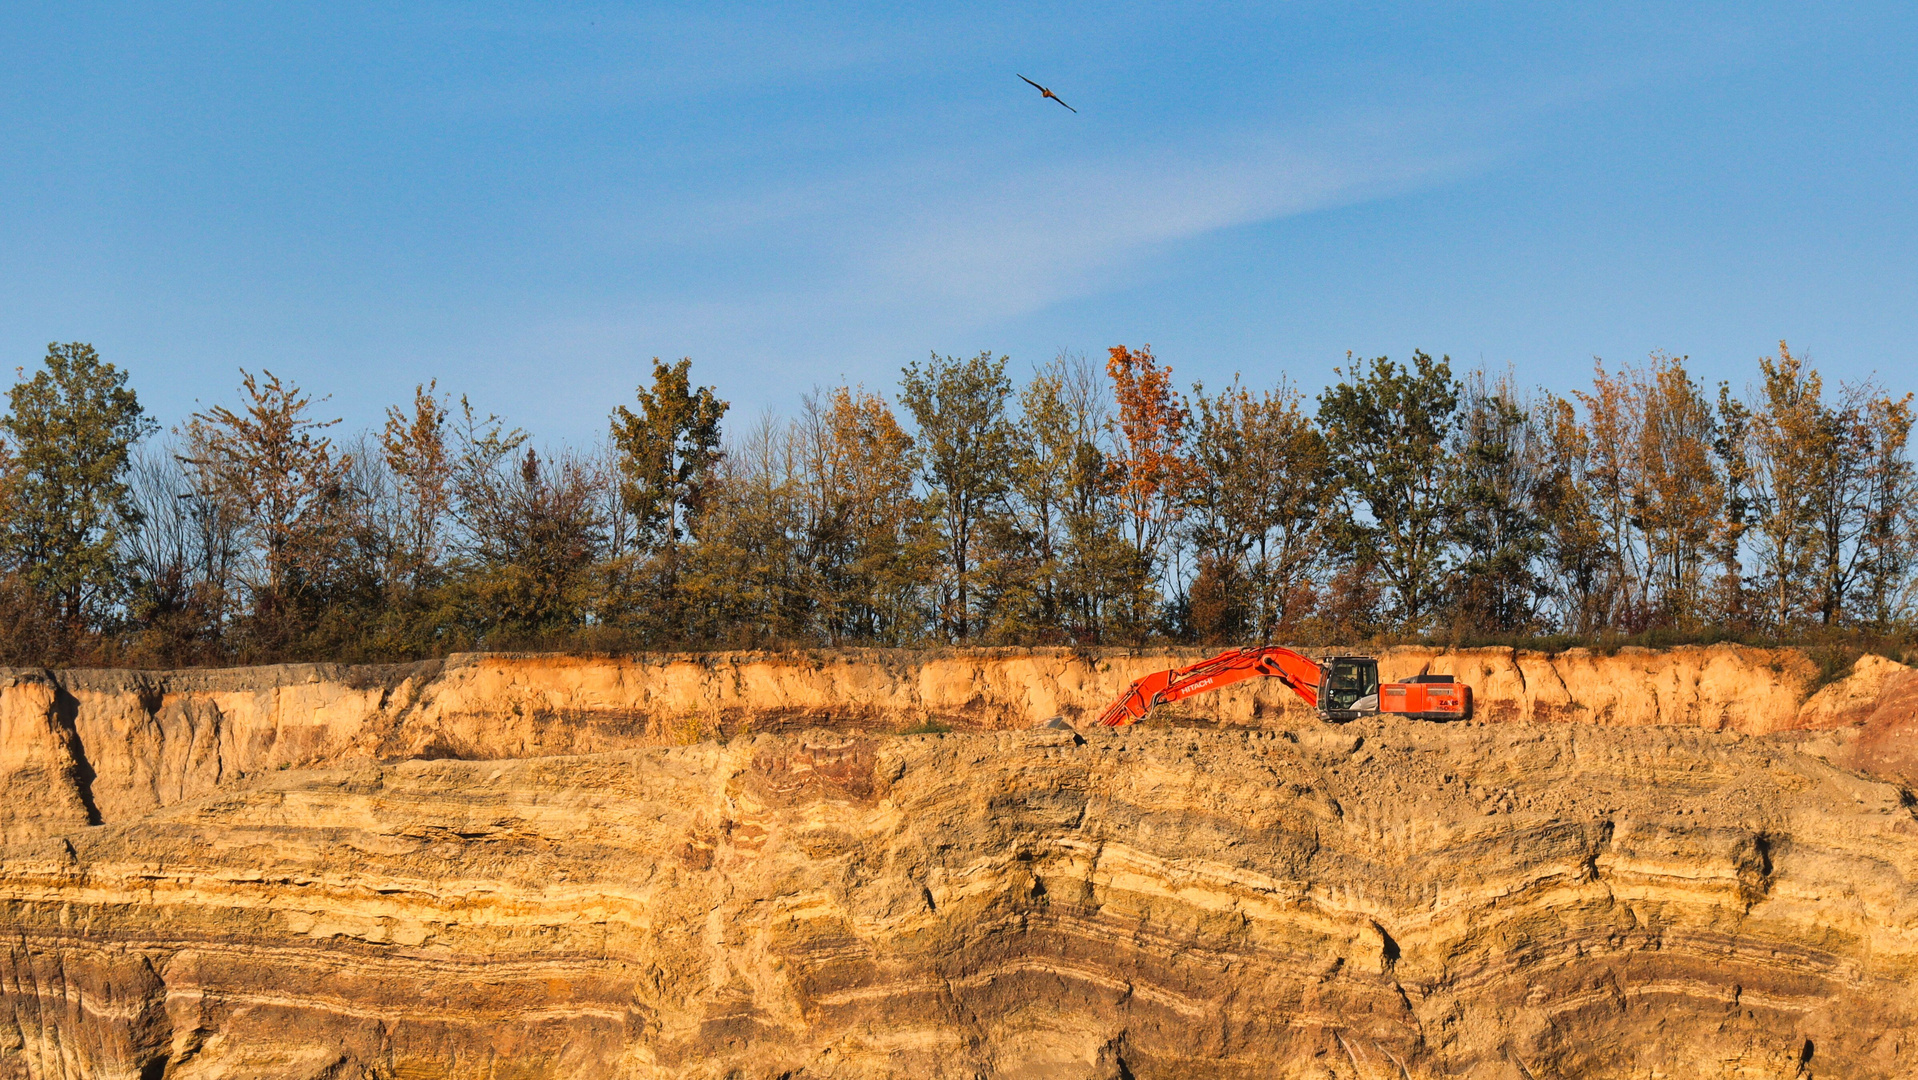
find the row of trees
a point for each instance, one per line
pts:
(1080, 505)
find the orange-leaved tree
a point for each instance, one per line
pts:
(1151, 461)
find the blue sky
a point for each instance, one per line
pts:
(529, 202)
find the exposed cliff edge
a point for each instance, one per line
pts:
(1680, 863)
(107, 746)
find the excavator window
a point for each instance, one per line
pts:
(1350, 680)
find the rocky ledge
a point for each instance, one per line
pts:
(1379, 899)
(81, 748)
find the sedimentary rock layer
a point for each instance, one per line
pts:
(1381, 899)
(80, 747)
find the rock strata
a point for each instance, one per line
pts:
(1694, 863)
(1381, 899)
(110, 746)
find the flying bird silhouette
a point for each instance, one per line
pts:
(1044, 91)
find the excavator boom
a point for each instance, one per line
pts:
(1299, 672)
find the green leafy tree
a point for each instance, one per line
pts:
(1057, 477)
(1679, 489)
(414, 449)
(749, 578)
(532, 536)
(1659, 488)
(1790, 452)
(1581, 578)
(69, 433)
(276, 473)
(664, 455)
(1731, 603)
(1498, 458)
(1889, 511)
(1256, 496)
(1081, 578)
(1021, 571)
(666, 452)
(866, 535)
(1865, 431)
(1218, 491)
(1388, 429)
(967, 452)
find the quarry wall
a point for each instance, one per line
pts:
(1684, 863)
(95, 746)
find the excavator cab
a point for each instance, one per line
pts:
(1350, 688)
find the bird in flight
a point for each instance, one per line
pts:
(1045, 91)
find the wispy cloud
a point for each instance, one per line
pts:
(1023, 244)
(956, 242)
(880, 264)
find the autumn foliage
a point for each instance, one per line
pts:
(1076, 504)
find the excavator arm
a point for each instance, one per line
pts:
(1301, 673)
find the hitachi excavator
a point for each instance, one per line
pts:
(1339, 687)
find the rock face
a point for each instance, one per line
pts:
(1382, 899)
(109, 746)
(1652, 864)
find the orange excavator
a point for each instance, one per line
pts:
(1339, 687)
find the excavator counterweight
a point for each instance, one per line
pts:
(1339, 687)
